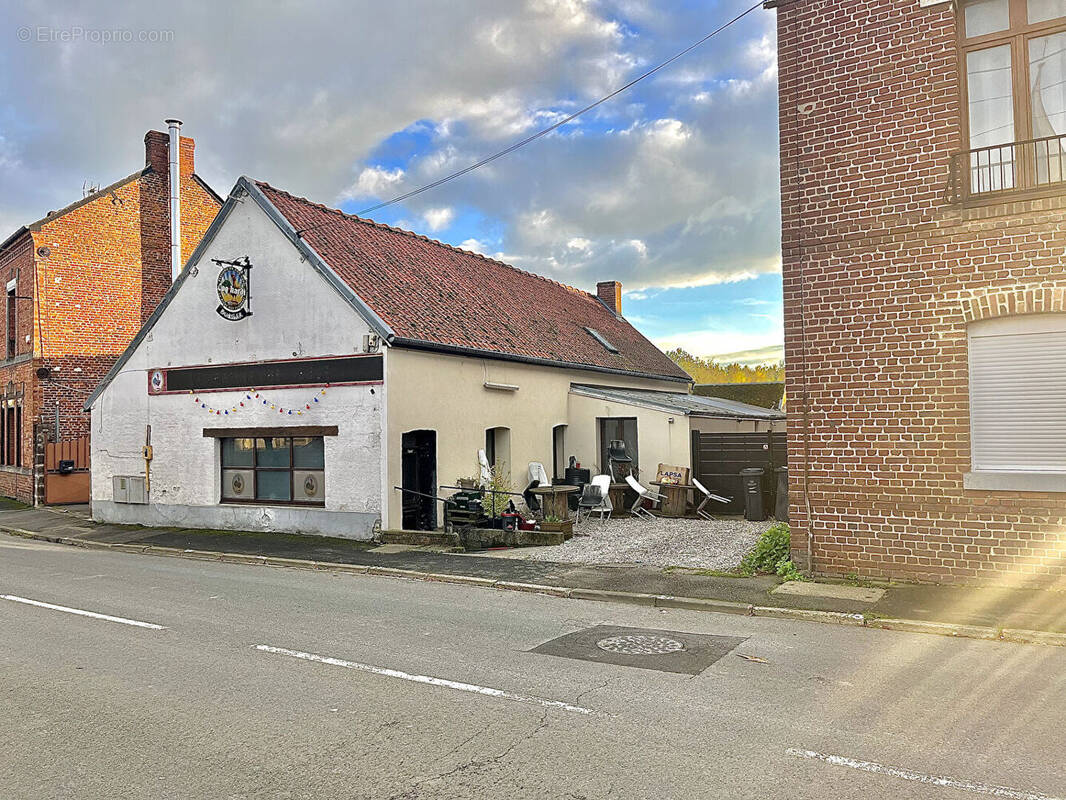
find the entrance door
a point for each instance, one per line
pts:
(419, 475)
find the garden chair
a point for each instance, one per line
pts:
(538, 473)
(643, 495)
(708, 496)
(595, 498)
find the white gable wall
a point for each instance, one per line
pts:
(295, 314)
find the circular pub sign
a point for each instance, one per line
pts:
(232, 288)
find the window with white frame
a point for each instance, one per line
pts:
(1018, 394)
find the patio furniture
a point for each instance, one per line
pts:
(618, 492)
(652, 497)
(675, 498)
(485, 467)
(595, 499)
(538, 473)
(708, 496)
(554, 500)
(619, 462)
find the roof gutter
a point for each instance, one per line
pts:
(477, 352)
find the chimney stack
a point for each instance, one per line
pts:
(610, 292)
(173, 159)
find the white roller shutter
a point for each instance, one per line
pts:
(1018, 393)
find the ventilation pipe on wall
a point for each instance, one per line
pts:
(173, 159)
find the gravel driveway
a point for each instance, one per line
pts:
(706, 544)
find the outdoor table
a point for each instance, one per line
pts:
(617, 493)
(555, 500)
(675, 498)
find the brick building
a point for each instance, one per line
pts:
(924, 231)
(79, 284)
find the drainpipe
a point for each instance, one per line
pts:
(173, 158)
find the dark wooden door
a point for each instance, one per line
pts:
(419, 467)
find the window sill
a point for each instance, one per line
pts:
(987, 480)
(269, 504)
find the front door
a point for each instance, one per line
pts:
(419, 480)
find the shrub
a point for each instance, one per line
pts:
(771, 555)
(494, 504)
(770, 550)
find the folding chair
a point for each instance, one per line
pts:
(638, 509)
(708, 496)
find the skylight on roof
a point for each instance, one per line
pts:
(599, 337)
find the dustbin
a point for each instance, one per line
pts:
(781, 509)
(752, 478)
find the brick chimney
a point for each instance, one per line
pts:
(157, 148)
(610, 292)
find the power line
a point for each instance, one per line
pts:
(545, 131)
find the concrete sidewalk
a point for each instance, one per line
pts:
(987, 611)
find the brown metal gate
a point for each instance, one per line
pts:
(718, 458)
(66, 471)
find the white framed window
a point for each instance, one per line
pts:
(1018, 403)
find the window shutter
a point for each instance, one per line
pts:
(1018, 393)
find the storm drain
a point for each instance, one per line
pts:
(666, 651)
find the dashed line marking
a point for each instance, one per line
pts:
(82, 612)
(919, 777)
(425, 679)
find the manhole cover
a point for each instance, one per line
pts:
(644, 648)
(640, 645)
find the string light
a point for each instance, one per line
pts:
(254, 395)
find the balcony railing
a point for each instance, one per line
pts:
(1034, 164)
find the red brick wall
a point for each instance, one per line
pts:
(16, 263)
(108, 268)
(104, 271)
(881, 274)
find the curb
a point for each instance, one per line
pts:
(1012, 635)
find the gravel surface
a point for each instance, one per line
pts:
(707, 544)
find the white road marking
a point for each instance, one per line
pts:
(83, 613)
(905, 774)
(406, 676)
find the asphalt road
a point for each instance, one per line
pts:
(277, 683)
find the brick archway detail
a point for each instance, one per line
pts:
(1040, 300)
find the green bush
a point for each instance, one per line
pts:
(771, 555)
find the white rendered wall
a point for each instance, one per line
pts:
(295, 314)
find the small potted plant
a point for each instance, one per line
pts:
(553, 523)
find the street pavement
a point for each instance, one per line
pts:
(274, 683)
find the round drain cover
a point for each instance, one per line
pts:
(640, 645)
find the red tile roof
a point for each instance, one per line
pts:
(432, 292)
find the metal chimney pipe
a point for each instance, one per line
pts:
(173, 159)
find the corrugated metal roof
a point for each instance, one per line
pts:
(679, 402)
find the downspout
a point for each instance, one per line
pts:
(173, 160)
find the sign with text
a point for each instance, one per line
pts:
(670, 475)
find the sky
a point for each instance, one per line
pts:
(670, 188)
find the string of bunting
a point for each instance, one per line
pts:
(253, 398)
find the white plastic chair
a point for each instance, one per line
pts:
(486, 468)
(602, 505)
(708, 496)
(638, 509)
(538, 473)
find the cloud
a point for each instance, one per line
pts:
(437, 219)
(373, 182)
(673, 183)
(763, 355)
